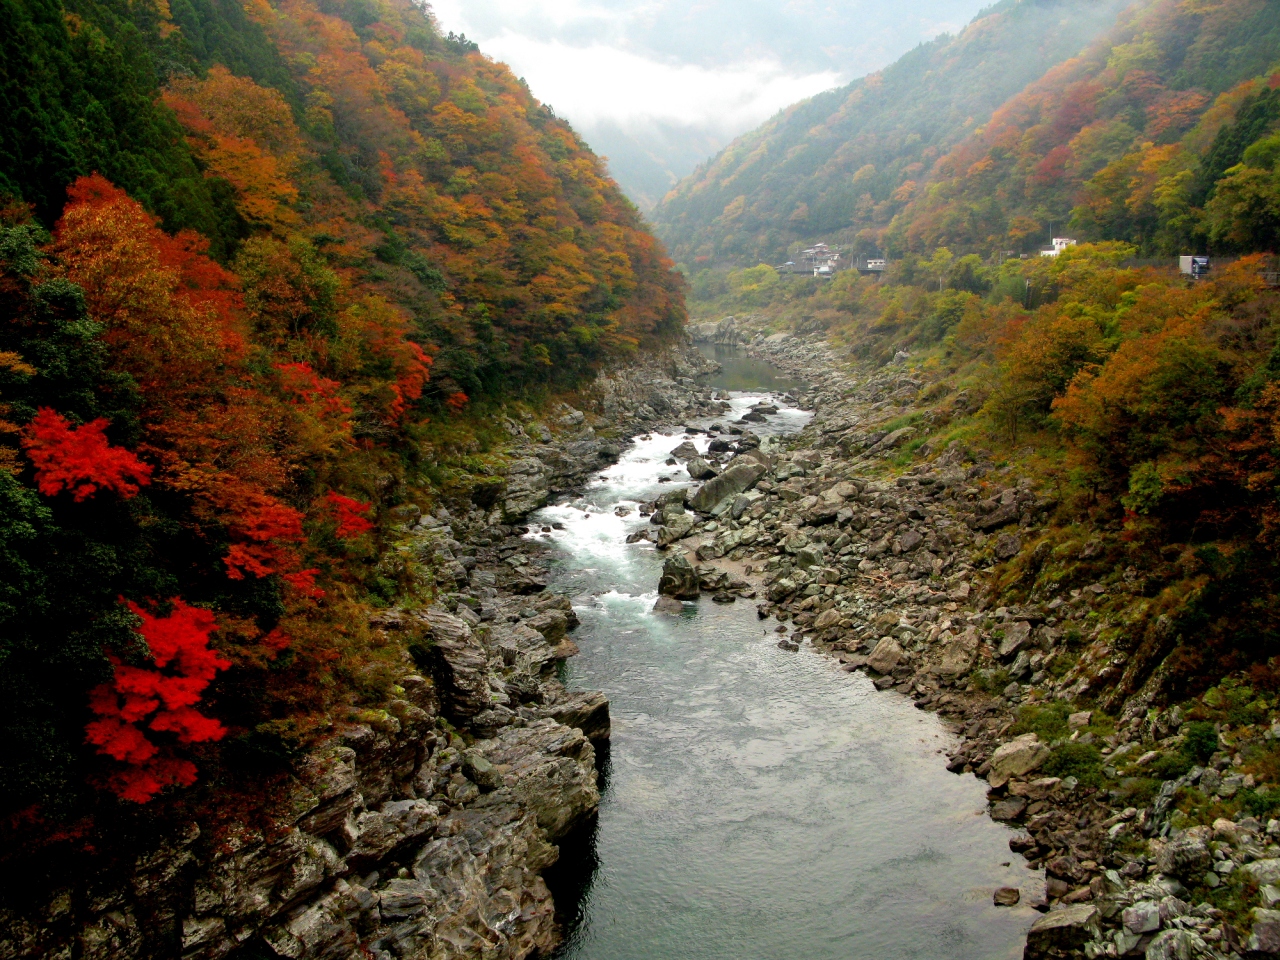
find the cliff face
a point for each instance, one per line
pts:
(398, 837)
(421, 825)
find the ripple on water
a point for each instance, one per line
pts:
(757, 804)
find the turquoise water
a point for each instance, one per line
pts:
(757, 804)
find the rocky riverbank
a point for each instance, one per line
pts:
(420, 828)
(867, 545)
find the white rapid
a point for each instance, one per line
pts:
(757, 804)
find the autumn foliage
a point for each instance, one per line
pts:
(79, 459)
(232, 311)
(162, 701)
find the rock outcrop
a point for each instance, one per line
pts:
(421, 827)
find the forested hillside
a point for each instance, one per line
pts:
(254, 260)
(1143, 402)
(848, 160)
(1136, 139)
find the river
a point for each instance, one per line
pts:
(757, 804)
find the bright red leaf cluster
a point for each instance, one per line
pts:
(352, 515)
(304, 385)
(268, 536)
(80, 459)
(162, 699)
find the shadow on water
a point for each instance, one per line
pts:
(741, 372)
(571, 878)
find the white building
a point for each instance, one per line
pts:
(1059, 244)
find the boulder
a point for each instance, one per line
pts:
(700, 469)
(839, 493)
(676, 529)
(1264, 871)
(1061, 931)
(827, 619)
(587, 710)
(1016, 635)
(1007, 546)
(809, 556)
(1008, 810)
(1002, 516)
(552, 624)
(1079, 720)
(1187, 858)
(885, 656)
(894, 440)
(686, 451)
(679, 579)
(958, 655)
(1006, 897)
(1177, 945)
(669, 606)
(1036, 789)
(738, 478)
(1265, 938)
(1016, 758)
(1142, 917)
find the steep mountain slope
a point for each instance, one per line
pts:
(297, 248)
(849, 159)
(1131, 139)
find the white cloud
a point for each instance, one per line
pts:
(661, 84)
(589, 84)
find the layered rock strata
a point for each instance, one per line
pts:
(421, 828)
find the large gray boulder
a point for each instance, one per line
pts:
(679, 579)
(550, 769)
(1186, 858)
(701, 469)
(675, 529)
(738, 478)
(959, 654)
(1265, 938)
(886, 656)
(1059, 932)
(1016, 758)
(1015, 638)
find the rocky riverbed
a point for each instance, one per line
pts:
(421, 828)
(884, 560)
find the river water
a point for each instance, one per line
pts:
(756, 804)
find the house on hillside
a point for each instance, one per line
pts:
(821, 259)
(1059, 244)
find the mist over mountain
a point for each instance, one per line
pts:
(660, 87)
(840, 161)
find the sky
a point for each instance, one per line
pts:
(658, 86)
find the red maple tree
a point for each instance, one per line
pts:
(80, 459)
(162, 699)
(352, 515)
